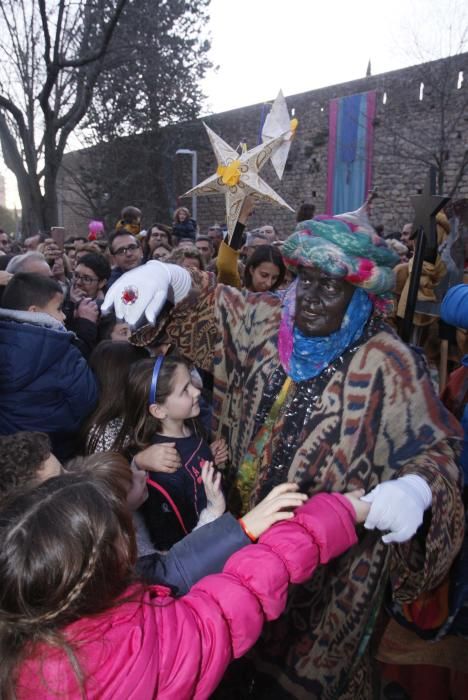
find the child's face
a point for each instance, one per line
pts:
(183, 402)
(120, 332)
(54, 308)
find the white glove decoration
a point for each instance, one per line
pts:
(143, 291)
(398, 506)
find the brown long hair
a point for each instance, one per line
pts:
(139, 425)
(111, 362)
(67, 550)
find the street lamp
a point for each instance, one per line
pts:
(188, 152)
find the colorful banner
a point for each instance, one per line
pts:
(350, 148)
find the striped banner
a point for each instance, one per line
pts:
(350, 149)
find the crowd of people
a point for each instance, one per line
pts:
(189, 424)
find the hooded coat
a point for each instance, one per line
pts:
(45, 382)
(155, 646)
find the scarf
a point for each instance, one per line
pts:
(304, 357)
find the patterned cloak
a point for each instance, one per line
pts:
(371, 417)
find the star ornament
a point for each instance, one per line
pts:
(237, 176)
(279, 123)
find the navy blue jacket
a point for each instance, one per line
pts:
(184, 487)
(45, 382)
(200, 553)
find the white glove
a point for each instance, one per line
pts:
(398, 506)
(143, 291)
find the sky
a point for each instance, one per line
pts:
(300, 45)
(261, 46)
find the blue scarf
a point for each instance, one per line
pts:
(311, 355)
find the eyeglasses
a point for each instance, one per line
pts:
(125, 249)
(86, 279)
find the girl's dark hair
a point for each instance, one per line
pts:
(105, 466)
(67, 550)
(139, 425)
(111, 362)
(264, 253)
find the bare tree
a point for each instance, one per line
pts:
(51, 56)
(431, 126)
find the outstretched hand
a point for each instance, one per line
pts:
(361, 508)
(216, 503)
(275, 507)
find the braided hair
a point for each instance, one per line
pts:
(67, 550)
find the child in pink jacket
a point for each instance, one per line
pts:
(74, 623)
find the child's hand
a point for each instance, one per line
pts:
(216, 503)
(219, 450)
(275, 507)
(361, 508)
(159, 458)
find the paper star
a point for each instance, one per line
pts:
(237, 176)
(277, 123)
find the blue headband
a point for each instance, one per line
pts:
(154, 380)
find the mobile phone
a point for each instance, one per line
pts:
(57, 233)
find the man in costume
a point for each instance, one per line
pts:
(315, 388)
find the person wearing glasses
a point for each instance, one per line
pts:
(90, 277)
(126, 252)
(81, 307)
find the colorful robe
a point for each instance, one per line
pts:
(370, 417)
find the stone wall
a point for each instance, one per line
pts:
(407, 134)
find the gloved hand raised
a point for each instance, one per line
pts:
(398, 506)
(143, 291)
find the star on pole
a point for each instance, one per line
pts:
(279, 123)
(237, 176)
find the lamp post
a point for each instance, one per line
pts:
(194, 155)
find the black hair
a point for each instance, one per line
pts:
(22, 455)
(264, 253)
(120, 232)
(26, 289)
(97, 263)
(305, 212)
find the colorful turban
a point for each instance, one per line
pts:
(345, 246)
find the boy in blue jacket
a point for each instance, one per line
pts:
(45, 382)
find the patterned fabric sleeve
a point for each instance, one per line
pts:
(422, 563)
(413, 433)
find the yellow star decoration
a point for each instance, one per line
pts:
(237, 176)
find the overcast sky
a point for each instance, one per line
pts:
(299, 45)
(261, 46)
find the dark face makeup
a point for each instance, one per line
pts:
(321, 302)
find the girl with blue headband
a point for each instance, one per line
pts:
(162, 405)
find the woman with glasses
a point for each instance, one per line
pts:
(86, 295)
(90, 277)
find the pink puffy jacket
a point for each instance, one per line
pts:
(167, 648)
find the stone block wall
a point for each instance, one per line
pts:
(407, 134)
